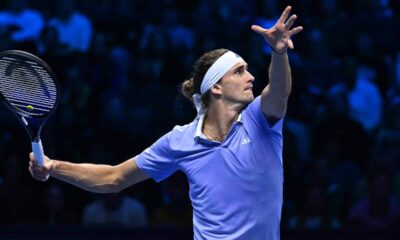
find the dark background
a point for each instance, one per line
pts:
(120, 66)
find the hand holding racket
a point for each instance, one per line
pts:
(38, 172)
(29, 89)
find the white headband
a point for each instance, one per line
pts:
(214, 74)
(218, 69)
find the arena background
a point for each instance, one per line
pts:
(120, 64)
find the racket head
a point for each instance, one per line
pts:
(28, 86)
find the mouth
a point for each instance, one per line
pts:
(249, 87)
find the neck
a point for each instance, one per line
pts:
(219, 119)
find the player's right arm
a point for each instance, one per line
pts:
(91, 177)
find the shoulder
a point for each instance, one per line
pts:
(252, 112)
(182, 133)
(254, 105)
(181, 129)
(253, 117)
(175, 138)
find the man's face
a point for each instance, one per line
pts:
(236, 86)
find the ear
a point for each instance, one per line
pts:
(216, 89)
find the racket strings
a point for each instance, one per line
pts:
(27, 86)
(26, 99)
(29, 64)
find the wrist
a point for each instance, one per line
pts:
(278, 53)
(52, 167)
(279, 57)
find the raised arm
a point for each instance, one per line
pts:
(275, 95)
(91, 177)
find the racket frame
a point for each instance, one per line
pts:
(32, 124)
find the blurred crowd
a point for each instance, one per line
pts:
(120, 63)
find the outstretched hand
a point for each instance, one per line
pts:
(278, 36)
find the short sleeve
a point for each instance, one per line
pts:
(157, 161)
(253, 115)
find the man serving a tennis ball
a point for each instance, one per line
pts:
(231, 152)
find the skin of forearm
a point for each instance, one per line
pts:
(91, 177)
(276, 94)
(280, 79)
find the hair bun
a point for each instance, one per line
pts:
(188, 88)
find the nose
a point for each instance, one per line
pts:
(250, 77)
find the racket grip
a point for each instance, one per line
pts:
(37, 149)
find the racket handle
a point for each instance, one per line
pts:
(38, 152)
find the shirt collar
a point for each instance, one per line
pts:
(199, 133)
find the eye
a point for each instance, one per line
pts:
(239, 71)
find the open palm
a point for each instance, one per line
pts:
(278, 36)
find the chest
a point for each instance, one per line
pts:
(240, 162)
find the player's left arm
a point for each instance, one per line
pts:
(275, 95)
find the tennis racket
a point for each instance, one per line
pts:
(29, 89)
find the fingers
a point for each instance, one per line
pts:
(258, 29)
(285, 14)
(38, 172)
(295, 30)
(290, 44)
(290, 22)
(32, 159)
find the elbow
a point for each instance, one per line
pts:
(114, 185)
(106, 188)
(111, 183)
(115, 189)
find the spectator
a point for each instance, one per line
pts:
(315, 213)
(22, 22)
(115, 210)
(57, 212)
(74, 28)
(380, 209)
(365, 99)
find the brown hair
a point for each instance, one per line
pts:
(192, 86)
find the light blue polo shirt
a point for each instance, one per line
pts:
(236, 187)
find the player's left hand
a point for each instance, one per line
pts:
(278, 36)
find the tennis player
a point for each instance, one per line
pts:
(231, 152)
